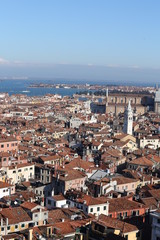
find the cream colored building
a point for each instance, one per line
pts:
(151, 141)
(20, 172)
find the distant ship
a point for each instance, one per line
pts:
(26, 91)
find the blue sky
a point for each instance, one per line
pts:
(115, 39)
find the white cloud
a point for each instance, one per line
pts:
(3, 61)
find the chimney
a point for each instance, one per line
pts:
(6, 221)
(101, 188)
(143, 219)
(19, 159)
(42, 202)
(57, 176)
(52, 193)
(40, 213)
(66, 174)
(97, 216)
(30, 235)
(110, 180)
(100, 163)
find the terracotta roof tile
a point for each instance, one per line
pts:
(15, 215)
(116, 224)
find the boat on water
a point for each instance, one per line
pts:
(25, 91)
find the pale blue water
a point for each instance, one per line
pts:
(19, 86)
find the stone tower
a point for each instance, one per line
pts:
(106, 99)
(157, 101)
(128, 120)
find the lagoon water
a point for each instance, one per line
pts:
(22, 87)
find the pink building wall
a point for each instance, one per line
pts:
(8, 146)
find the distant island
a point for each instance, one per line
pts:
(98, 89)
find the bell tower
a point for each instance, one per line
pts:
(128, 120)
(106, 98)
